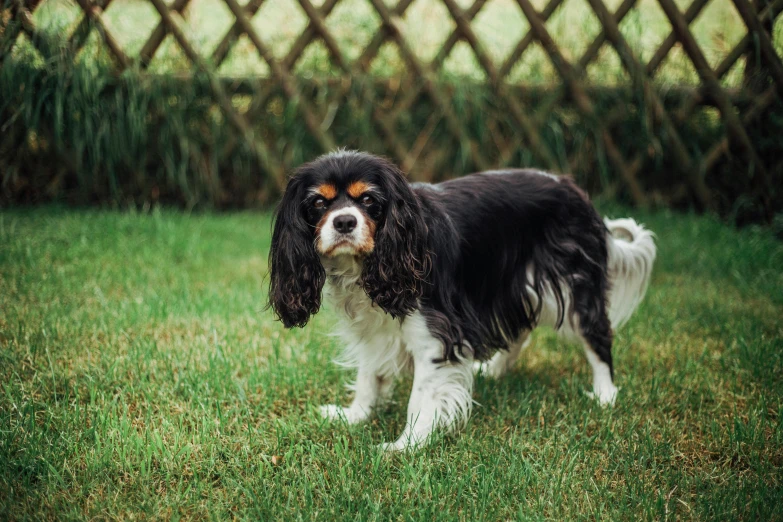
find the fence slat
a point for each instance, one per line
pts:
(455, 36)
(230, 38)
(570, 77)
(532, 134)
(692, 99)
(589, 55)
(158, 34)
(528, 39)
(93, 11)
(82, 32)
(639, 77)
(707, 75)
(317, 21)
(429, 84)
(663, 50)
(519, 113)
(27, 26)
(286, 80)
(748, 14)
(266, 157)
(381, 36)
(304, 39)
(690, 103)
(722, 147)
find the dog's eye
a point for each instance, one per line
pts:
(319, 203)
(367, 201)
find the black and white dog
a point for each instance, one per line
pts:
(438, 278)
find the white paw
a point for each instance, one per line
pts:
(488, 370)
(406, 442)
(391, 447)
(349, 415)
(398, 445)
(606, 395)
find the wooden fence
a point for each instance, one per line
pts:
(524, 109)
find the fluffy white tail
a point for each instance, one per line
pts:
(631, 256)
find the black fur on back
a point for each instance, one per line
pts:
(485, 231)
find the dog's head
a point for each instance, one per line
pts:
(347, 204)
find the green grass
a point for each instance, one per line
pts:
(140, 377)
(426, 25)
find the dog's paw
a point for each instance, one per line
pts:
(389, 447)
(396, 446)
(349, 415)
(606, 396)
(489, 369)
(479, 368)
(404, 443)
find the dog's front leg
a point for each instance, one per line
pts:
(441, 394)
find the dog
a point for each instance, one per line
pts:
(450, 278)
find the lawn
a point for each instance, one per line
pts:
(142, 378)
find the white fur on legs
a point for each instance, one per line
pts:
(370, 389)
(503, 360)
(372, 338)
(441, 394)
(604, 390)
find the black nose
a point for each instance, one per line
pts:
(345, 223)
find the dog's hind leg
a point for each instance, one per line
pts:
(597, 339)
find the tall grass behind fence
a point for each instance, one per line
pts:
(212, 102)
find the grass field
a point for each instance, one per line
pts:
(141, 378)
(499, 26)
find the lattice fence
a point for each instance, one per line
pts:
(518, 119)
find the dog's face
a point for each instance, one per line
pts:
(344, 211)
(347, 204)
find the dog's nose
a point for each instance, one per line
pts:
(345, 223)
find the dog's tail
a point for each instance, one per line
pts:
(631, 256)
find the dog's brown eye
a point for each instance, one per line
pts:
(367, 201)
(319, 203)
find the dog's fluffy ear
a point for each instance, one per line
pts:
(394, 273)
(296, 274)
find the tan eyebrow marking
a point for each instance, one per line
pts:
(327, 190)
(357, 188)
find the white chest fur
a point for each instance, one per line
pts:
(371, 337)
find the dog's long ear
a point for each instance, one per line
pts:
(296, 274)
(394, 273)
